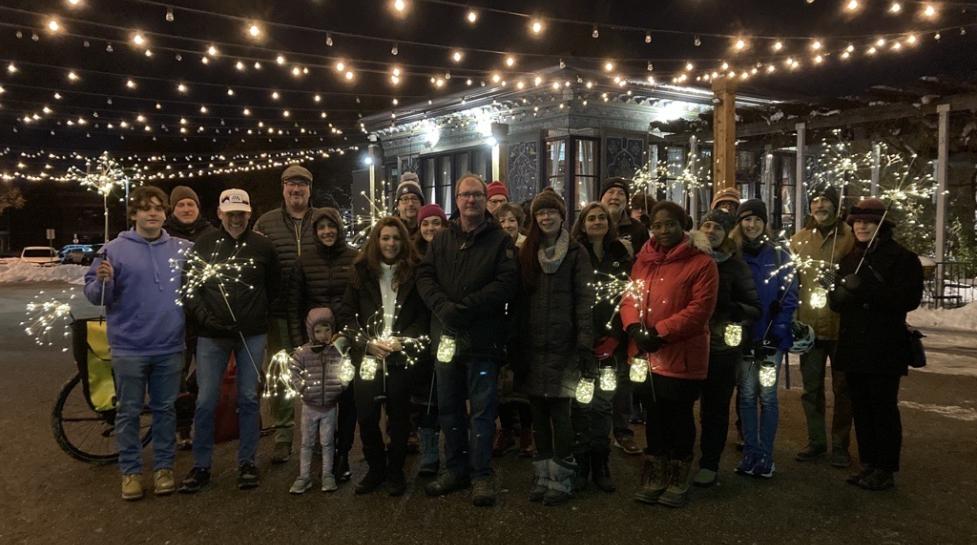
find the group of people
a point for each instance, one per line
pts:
(506, 312)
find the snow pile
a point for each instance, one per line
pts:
(964, 317)
(26, 272)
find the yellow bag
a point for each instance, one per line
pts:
(101, 383)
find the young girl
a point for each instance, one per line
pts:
(315, 375)
(556, 341)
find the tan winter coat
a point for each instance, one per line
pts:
(809, 243)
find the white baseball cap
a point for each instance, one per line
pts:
(235, 200)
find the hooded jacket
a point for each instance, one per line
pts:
(141, 301)
(466, 279)
(810, 243)
(873, 336)
(679, 296)
(292, 238)
(188, 231)
(555, 334)
(320, 277)
(248, 296)
(315, 367)
(776, 285)
(615, 264)
(635, 232)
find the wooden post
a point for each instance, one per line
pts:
(941, 181)
(693, 170)
(724, 134)
(876, 168)
(799, 211)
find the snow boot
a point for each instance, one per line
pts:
(560, 487)
(654, 479)
(429, 452)
(677, 493)
(600, 470)
(582, 477)
(541, 479)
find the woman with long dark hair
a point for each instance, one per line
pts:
(384, 317)
(610, 259)
(555, 341)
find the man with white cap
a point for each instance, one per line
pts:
(230, 311)
(291, 229)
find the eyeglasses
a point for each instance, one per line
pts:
(476, 195)
(408, 198)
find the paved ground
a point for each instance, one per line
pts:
(47, 497)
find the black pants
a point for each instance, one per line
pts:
(592, 423)
(717, 391)
(369, 401)
(622, 404)
(878, 427)
(513, 414)
(346, 424)
(552, 429)
(670, 424)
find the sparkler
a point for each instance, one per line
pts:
(280, 379)
(44, 315)
(609, 288)
(380, 328)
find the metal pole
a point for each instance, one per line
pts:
(767, 178)
(941, 182)
(693, 191)
(799, 179)
(876, 167)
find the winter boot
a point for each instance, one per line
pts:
(600, 470)
(582, 477)
(654, 479)
(541, 479)
(429, 452)
(677, 493)
(340, 468)
(526, 443)
(560, 487)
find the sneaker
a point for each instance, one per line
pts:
(504, 443)
(300, 486)
(840, 459)
(163, 483)
(810, 453)
(247, 476)
(195, 480)
(446, 483)
(483, 493)
(705, 478)
(747, 465)
(329, 484)
(283, 451)
(878, 479)
(627, 444)
(855, 478)
(132, 487)
(764, 468)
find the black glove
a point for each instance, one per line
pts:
(736, 313)
(775, 308)
(852, 283)
(827, 279)
(587, 364)
(453, 317)
(648, 341)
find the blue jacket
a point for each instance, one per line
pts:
(774, 289)
(142, 313)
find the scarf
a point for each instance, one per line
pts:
(551, 258)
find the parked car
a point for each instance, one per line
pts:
(77, 254)
(37, 255)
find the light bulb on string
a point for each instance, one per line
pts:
(280, 59)
(595, 33)
(740, 44)
(254, 30)
(169, 17)
(852, 5)
(929, 11)
(399, 6)
(536, 26)
(457, 55)
(471, 16)
(139, 40)
(608, 66)
(72, 76)
(510, 61)
(816, 45)
(895, 8)
(53, 25)
(647, 37)
(329, 41)
(697, 41)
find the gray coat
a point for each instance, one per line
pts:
(556, 337)
(315, 368)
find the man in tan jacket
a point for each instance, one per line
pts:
(827, 239)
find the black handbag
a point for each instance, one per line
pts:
(917, 354)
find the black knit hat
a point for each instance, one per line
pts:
(549, 199)
(752, 207)
(826, 191)
(720, 216)
(616, 182)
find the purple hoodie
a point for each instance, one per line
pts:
(140, 301)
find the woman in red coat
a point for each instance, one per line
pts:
(668, 323)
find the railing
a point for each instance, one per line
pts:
(950, 284)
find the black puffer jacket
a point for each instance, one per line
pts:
(737, 301)
(291, 238)
(248, 291)
(555, 320)
(319, 278)
(872, 336)
(632, 231)
(616, 264)
(363, 300)
(190, 232)
(466, 279)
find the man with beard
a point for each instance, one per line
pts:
(186, 222)
(292, 231)
(827, 239)
(410, 198)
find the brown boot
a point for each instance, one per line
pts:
(654, 479)
(677, 493)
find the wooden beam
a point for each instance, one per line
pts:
(941, 181)
(724, 134)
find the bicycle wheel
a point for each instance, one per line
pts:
(84, 434)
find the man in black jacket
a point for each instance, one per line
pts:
(230, 277)
(466, 279)
(290, 228)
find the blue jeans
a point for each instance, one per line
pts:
(759, 430)
(212, 356)
(132, 376)
(476, 381)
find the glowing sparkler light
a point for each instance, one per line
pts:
(347, 372)
(768, 373)
(45, 315)
(585, 391)
(608, 379)
(279, 380)
(639, 370)
(819, 297)
(733, 334)
(368, 368)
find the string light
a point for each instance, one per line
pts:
(130, 84)
(53, 25)
(895, 7)
(595, 34)
(181, 88)
(280, 59)
(852, 5)
(212, 51)
(536, 26)
(457, 55)
(510, 61)
(472, 16)
(72, 76)
(778, 45)
(608, 66)
(329, 41)
(647, 37)
(394, 50)
(929, 11)
(138, 39)
(254, 30)
(239, 65)
(74, 3)
(740, 44)
(400, 6)
(816, 45)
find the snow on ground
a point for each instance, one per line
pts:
(964, 317)
(26, 272)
